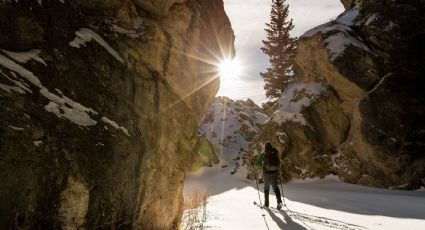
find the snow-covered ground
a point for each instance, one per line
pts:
(313, 204)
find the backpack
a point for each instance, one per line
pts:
(272, 161)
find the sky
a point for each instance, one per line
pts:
(248, 18)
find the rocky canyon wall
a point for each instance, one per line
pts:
(100, 106)
(357, 107)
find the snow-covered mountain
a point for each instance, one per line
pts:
(233, 124)
(230, 126)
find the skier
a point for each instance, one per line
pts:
(270, 162)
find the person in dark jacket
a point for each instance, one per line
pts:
(270, 162)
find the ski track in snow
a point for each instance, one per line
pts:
(306, 219)
(322, 204)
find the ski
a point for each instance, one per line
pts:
(275, 210)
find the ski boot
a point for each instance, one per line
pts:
(279, 206)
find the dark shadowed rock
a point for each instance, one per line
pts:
(206, 155)
(100, 106)
(366, 127)
(348, 4)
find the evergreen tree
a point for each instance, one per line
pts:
(280, 47)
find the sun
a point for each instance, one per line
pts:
(229, 69)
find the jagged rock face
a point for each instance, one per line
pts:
(348, 4)
(366, 125)
(206, 154)
(100, 107)
(232, 124)
(292, 129)
(159, 7)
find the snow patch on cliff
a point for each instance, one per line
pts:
(16, 128)
(59, 104)
(295, 98)
(85, 35)
(20, 87)
(13, 66)
(372, 18)
(115, 125)
(11, 88)
(348, 18)
(342, 23)
(129, 33)
(24, 57)
(78, 117)
(339, 34)
(337, 43)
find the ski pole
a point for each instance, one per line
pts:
(284, 203)
(258, 190)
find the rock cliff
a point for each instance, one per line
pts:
(205, 154)
(100, 107)
(357, 107)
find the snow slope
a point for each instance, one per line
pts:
(313, 204)
(231, 123)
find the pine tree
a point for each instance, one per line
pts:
(280, 47)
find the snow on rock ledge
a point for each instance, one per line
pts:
(339, 34)
(85, 35)
(60, 105)
(295, 98)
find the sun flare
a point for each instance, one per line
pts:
(230, 69)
